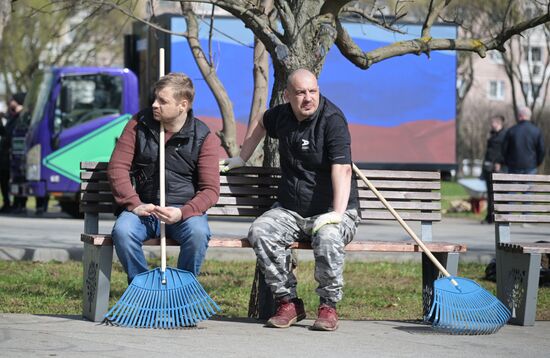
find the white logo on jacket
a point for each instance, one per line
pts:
(305, 144)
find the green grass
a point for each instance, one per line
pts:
(389, 291)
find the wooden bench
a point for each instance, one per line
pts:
(519, 198)
(250, 191)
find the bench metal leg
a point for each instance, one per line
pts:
(97, 263)
(430, 273)
(517, 284)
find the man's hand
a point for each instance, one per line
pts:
(329, 218)
(231, 163)
(144, 209)
(169, 215)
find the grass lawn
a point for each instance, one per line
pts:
(388, 291)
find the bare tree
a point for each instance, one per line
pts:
(228, 134)
(5, 12)
(308, 29)
(44, 33)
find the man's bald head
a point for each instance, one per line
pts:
(524, 114)
(302, 92)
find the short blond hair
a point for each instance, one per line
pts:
(180, 83)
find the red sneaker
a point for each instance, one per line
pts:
(327, 319)
(288, 313)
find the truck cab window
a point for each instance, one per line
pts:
(86, 97)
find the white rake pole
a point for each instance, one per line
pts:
(162, 181)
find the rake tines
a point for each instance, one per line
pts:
(466, 308)
(147, 303)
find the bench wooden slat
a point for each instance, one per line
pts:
(535, 188)
(248, 180)
(524, 248)
(236, 211)
(403, 185)
(520, 197)
(253, 171)
(385, 215)
(401, 195)
(522, 208)
(96, 197)
(401, 205)
(93, 176)
(521, 218)
(237, 242)
(247, 190)
(401, 174)
(505, 177)
(231, 200)
(92, 186)
(94, 165)
(108, 208)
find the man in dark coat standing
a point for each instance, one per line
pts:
(523, 146)
(493, 161)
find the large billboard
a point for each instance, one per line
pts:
(401, 111)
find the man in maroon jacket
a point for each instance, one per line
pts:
(192, 178)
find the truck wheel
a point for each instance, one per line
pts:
(71, 208)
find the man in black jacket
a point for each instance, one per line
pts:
(493, 161)
(15, 107)
(317, 199)
(523, 146)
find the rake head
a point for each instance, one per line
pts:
(465, 309)
(147, 303)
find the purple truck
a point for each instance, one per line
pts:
(71, 114)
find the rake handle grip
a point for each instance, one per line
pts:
(401, 222)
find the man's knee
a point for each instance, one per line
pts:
(127, 228)
(262, 230)
(195, 233)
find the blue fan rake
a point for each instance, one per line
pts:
(459, 305)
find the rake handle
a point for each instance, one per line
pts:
(403, 223)
(162, 182)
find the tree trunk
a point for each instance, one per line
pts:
(259, 97)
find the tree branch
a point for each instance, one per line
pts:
(287, 17)
(380, 22)
(424, 45)
(433, 14)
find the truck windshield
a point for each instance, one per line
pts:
(85, 97)
(36, 99)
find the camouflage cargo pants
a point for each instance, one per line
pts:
(271, 235)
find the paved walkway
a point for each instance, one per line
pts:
(70, 336)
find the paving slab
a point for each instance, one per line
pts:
(23, 335)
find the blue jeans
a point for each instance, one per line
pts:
(130, 231)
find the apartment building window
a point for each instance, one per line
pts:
(496, 90)
(532, 53)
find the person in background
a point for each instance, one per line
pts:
(15, 107)
(493, 161)
(317, 199)
(523, 146)
(4, 165)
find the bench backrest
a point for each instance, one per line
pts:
(521, 198)
(250, 191)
